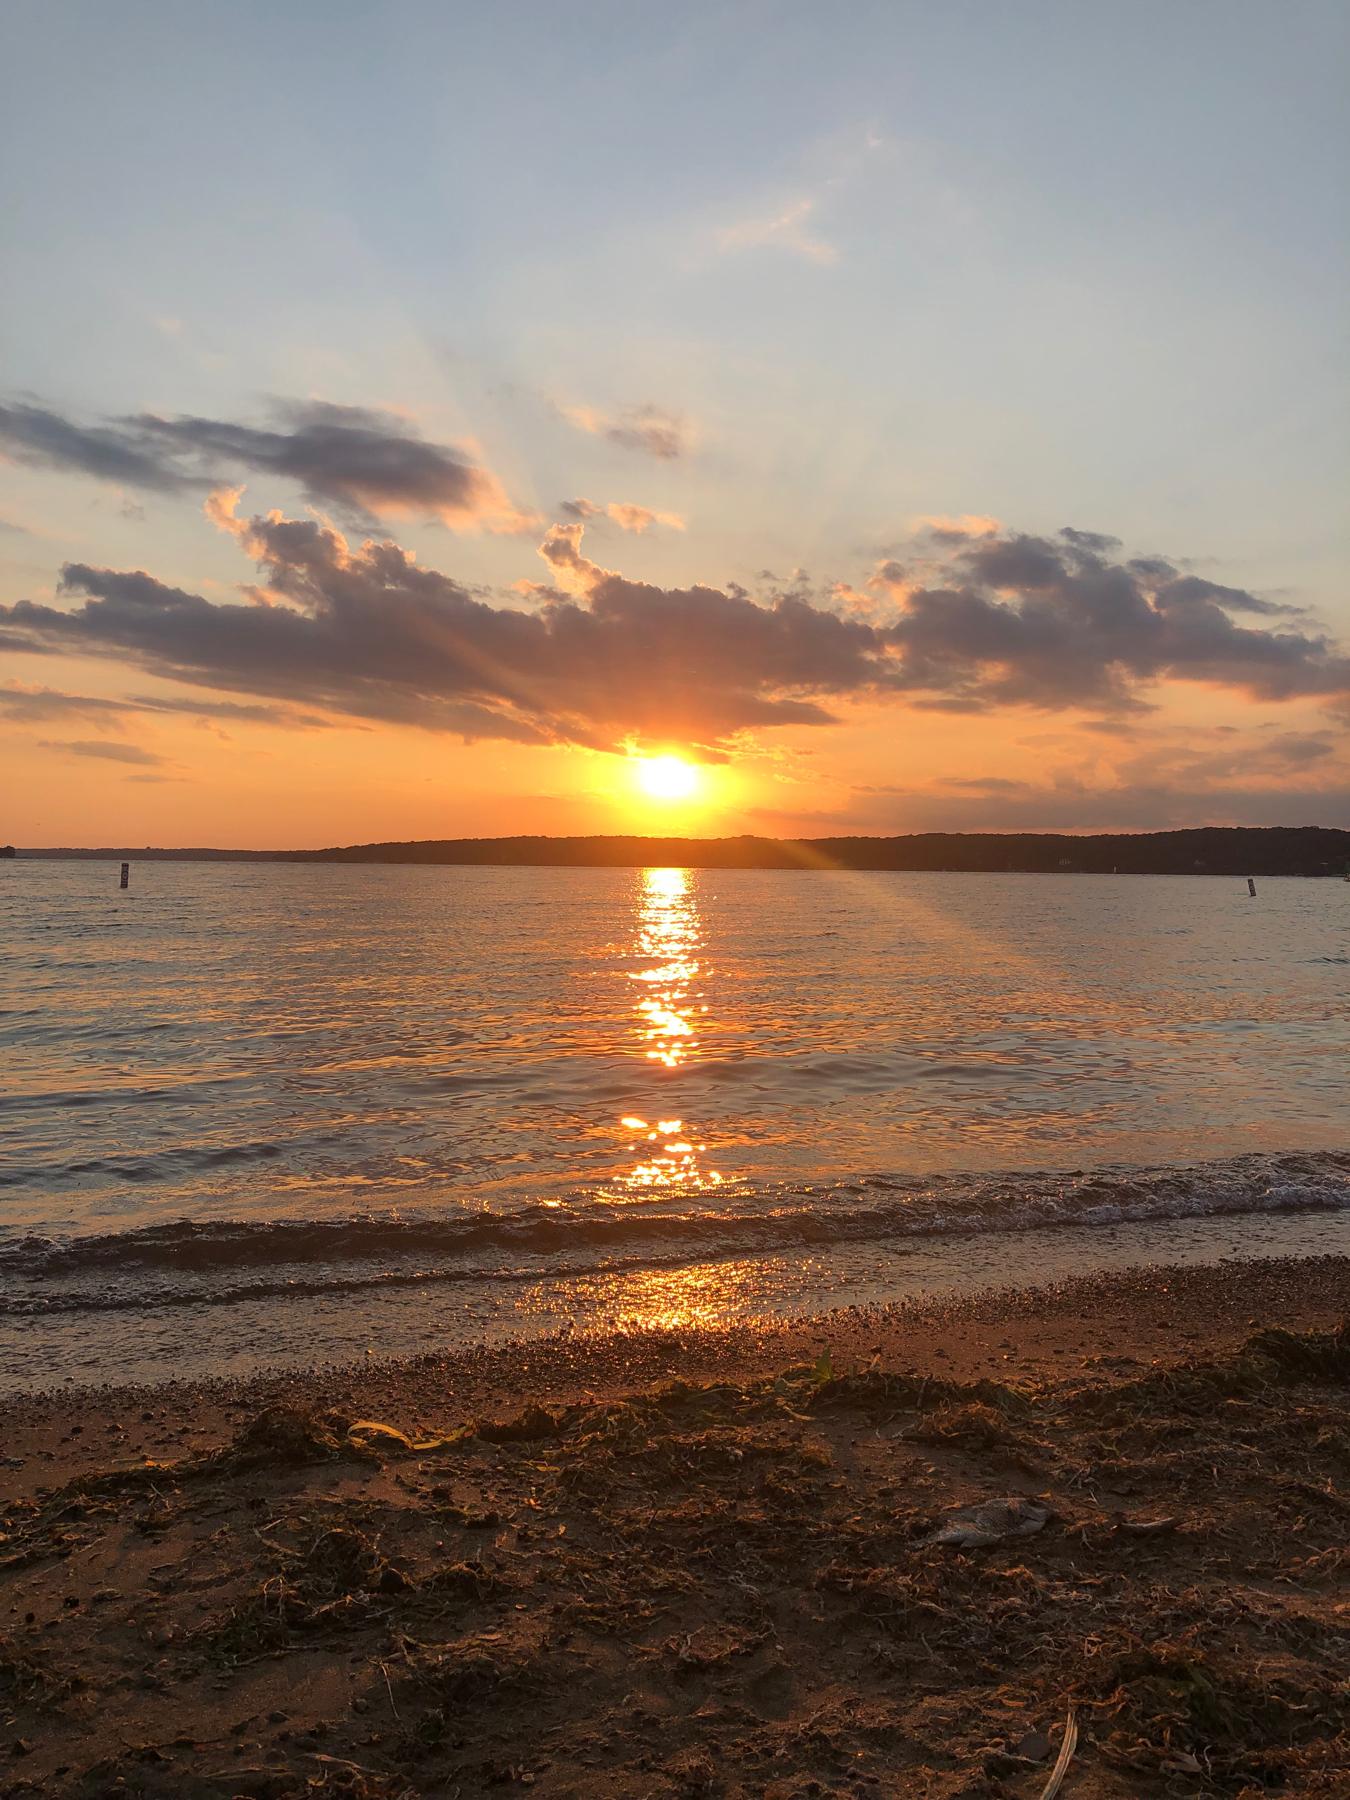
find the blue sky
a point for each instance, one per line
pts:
(1067, 264)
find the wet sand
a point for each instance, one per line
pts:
(710, 1562)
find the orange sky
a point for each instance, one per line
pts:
(918, 426)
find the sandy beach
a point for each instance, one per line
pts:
(729, 1564)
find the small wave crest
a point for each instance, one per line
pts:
(215, 1262)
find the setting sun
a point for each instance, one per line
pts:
(666, 777)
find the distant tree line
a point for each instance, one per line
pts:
(1209, 850)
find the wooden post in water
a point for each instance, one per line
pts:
(1251, 887)
(126, 874)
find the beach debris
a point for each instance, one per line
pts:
(374, 1434)
(286, 1434)
(1307, 1356)
(1034, 1747)
(1065, 1757)
(991, 1522)
(648, 1544)
(289, 1434)
(974, 1424)
(471, 1580)
(533, 1425)
(345, 1560)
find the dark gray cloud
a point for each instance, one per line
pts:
(368, 632)
(1311, 747)
(119, 753)
(1059, 622)
(20, 643)
(371, 633)
(111, 452)
(370, 465)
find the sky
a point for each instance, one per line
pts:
(415, 418)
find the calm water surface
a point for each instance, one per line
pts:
(232, 1078)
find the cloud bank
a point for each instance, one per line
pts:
(1056, 624)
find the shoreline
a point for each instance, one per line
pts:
(1226, 850)
(769, 1298)
(1159, 1308)
(658, 1563)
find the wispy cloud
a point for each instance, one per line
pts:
(118, 753)
(650, 429)
(1081, 804)
(788, 228)
(32, 705)
(626, 514)
(790, 221)
(951, 529)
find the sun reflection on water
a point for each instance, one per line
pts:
(669, 1159)
(668, 1023)
(680, 1299)
(668, 930)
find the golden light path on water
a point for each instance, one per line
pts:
(669, 1021)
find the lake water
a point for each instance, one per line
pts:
(251, 1113)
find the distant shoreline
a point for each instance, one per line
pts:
(1305, 850)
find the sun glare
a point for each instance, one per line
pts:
(666, 777)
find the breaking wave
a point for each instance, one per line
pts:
(218, 1263)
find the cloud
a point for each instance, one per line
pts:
(120, 753)
(20, 644)
(952, 530)
(786, 229)
(1164, 776)
(1085, 806)
(370, 633)
(788, 223)
(1224, 758)
(1062, 622)
(370, 465)
(34, 705)
(630, 517)
(1058, 624)
(111, 452)
(650, 429)
(626, 514)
